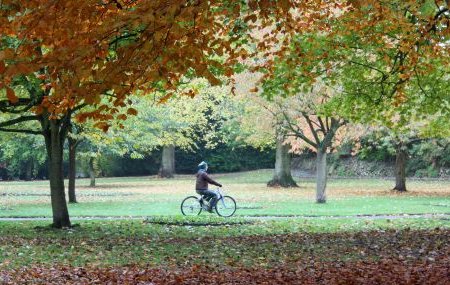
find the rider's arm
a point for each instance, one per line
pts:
(210, 180)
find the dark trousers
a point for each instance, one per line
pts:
(210, 195)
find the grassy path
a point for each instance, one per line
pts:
(443, 216)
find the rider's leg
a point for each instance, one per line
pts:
(212, 196)
(209, 196)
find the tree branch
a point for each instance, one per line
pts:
(20, 131)
(304, 138)
(7, 107)
(313, 131)
(322, 125)
(297, 132)
(79, 107)
(327, 141)
(368, 66)
(18, 120)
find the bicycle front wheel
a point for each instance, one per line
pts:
(191, 206)
(226, 206)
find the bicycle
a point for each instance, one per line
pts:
(194, 205)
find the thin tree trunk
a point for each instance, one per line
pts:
(282, 176)
(29, 169)
(92, 171)
(321, 182)
(167, 169)
(54, 140)
(400, 168)
(72, 169)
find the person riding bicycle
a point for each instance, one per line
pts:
(201, 185)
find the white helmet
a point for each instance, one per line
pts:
(203, 165)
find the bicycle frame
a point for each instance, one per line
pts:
(205, 204)
(221, 195)
(217, 191)
(220, 192)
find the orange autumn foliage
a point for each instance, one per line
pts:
(80, 50)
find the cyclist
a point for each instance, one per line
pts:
(201, 185)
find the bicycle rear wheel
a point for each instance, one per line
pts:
(191, 206)
(226, 206)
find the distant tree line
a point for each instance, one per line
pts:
(427, 158)
(222, 159)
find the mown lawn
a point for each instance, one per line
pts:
(159, 246)
(149, 196)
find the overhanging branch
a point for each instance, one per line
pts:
(31, 132)
(18, 120)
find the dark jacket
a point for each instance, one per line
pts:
(203, 179)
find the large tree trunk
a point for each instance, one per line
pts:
(321, 182)
(400, 168)
(282, 176)
(92, 171)
(54, 140)
(167, 169)
(72, 169)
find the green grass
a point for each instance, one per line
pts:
(301, 207)
(241, 242)
(149, 196)
(118, 243)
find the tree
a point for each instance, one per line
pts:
(73, 142)
(100, 49)
(308, 126)
(282, 175)
(167, 169)
(178, 123)
(257, 122)
(398, 144)
(388, 60)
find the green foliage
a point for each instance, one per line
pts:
(428, 157)
(384, 73)
(225, 158)
(428, 172)
(222, 159)
(22, 156)
(114, 166)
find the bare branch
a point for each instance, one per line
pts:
(313, 131)
(322, 125)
